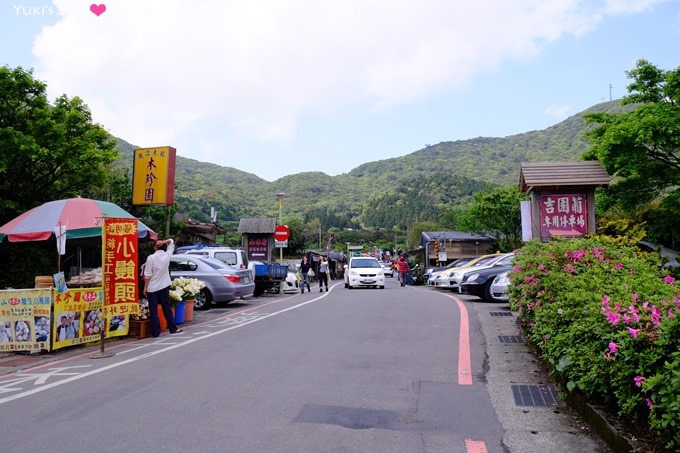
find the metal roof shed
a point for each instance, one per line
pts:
(562, 197)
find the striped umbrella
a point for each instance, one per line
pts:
(82, 217)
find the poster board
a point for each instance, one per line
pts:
(25, 319)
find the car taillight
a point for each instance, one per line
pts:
(233, 278)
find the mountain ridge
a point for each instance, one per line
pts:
(350, 199)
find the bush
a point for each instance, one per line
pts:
(607, 318)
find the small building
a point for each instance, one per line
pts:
(196, 232)
(258, 237)
(442, 247)
(562, 198)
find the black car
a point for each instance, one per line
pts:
(479, 283)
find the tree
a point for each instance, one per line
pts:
(47, 152)
(495, 214)
(640, 150)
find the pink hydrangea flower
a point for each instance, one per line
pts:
(668, 279)
(650, 403)
(619, 265)
(633, 332)
(639, 380)
(635, 297)
(613, 347)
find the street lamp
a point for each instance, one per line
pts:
(280, 196)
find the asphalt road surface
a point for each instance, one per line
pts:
(364, 370)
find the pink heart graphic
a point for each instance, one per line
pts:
(98, 9)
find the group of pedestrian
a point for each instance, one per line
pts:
(305, 272)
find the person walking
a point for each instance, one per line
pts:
(157, 285)
(323, 274)
(402, 268)
(304, 270)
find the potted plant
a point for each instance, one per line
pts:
(187, 289)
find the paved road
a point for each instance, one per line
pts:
(395, 370)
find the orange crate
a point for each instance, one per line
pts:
(139, 328)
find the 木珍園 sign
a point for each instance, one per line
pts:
(153, 176)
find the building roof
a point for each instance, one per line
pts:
(560, 174)
(257, 225)
(459, 236)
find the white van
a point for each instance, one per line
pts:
(233, 257)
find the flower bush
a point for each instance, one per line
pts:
(183, 288)
(607, 317)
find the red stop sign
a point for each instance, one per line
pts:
(281, 233)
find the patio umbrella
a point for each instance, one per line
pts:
(82, 217)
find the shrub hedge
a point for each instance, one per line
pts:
(607, 317)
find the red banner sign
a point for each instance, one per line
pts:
(119, 269)
(564, 215)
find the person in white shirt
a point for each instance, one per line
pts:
(157, 285)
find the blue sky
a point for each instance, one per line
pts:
(278, 87)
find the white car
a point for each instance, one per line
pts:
(387, 269)
(364, 271)
(499, 287)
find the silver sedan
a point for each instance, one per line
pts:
(222, 282)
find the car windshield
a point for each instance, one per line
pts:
(365, 263)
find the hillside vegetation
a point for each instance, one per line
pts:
(380, 194)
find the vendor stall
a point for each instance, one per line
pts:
(91, 302)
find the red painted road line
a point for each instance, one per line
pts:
(475, 446)
(464, 361)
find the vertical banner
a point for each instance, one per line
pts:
(25, 319)
(153, 176)
(119, 268)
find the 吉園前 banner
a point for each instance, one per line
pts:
(25, 319)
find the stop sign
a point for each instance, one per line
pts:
(281, 233)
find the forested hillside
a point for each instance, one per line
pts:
(381, 194)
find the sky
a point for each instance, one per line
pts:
(281, 87)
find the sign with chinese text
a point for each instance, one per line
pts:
(153, 176)
(258, 247)
(563, 215)
(25, 319)
(119, 269)
(79, 318)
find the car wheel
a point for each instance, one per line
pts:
(346, 285)
(349, 286)
(382, 287)
(203, 300)
(487, 296)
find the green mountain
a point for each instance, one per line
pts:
(381, 194)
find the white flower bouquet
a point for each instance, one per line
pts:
(183, 288)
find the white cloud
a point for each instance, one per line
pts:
(155, 72)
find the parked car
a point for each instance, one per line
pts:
(441, 280)
(477, 281)
(233, 257)
(455, 276)
(364, 271)
(223, 283)
(499, 287)
(291, 284)
(432, 272)
(669, 256)
(387, 269)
